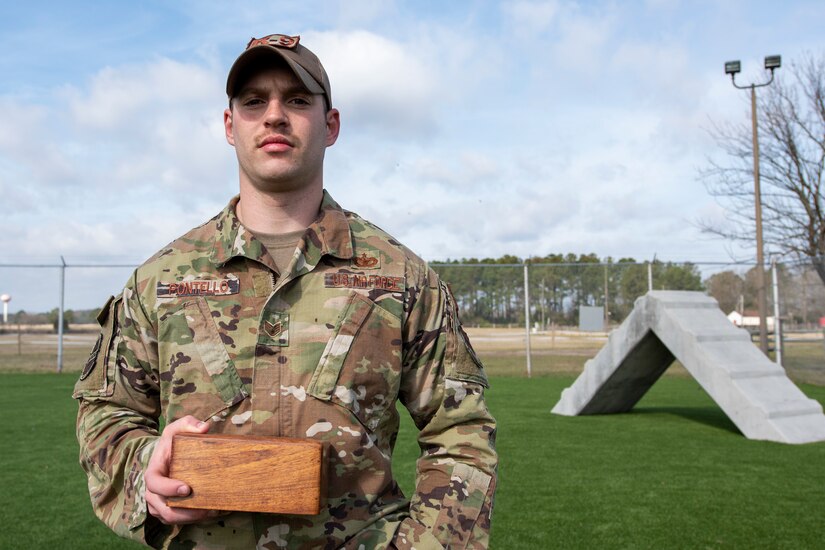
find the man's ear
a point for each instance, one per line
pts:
(333, 126)
(227, 126)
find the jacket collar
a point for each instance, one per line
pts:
(329, 234)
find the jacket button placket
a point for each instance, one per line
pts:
(273, 337)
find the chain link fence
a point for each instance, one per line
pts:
(493, 294)
(542, 299)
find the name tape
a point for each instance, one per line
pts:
(220, 287)
(354, 280)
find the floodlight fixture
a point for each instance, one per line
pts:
(773, 62)
(733, 67)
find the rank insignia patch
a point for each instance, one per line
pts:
(274, 331)
(213, 287)
(367, 260)
(355, 280)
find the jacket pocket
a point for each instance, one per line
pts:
(215, 358)
(198, 376)
(461, 505)
(360, 366)
(460, 358)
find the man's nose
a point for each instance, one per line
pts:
(275, 113)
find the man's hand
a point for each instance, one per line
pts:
(159, 485)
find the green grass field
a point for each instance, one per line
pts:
(674, 473)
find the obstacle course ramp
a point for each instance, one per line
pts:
(754, 392)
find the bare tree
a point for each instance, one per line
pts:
(727, 287)
(791, 118)
(803, 297)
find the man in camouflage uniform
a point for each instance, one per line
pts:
(286, 315)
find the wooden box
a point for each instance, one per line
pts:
(249, 473)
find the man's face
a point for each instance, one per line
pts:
(280, 132)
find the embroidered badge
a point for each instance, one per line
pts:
(92, 361)
(276, 40)
(216, 287)
(367, 260)
(274, 331)
(355, 280)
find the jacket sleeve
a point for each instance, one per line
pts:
(117, 422)
(443, 389)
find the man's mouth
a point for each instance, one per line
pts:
(273, 144)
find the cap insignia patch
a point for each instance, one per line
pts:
(276, 41)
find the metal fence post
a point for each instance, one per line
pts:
(606, 300)
(527, 317)
(60, 315)
(777, 323)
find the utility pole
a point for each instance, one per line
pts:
(772, 62)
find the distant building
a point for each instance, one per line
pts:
(748, 319)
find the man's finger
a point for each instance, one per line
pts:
(187, 424)
(158, 468)
(166, 487)
(167, 514)
(183, 515)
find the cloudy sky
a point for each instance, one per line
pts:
(470, 129)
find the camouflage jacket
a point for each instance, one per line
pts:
(208, 327)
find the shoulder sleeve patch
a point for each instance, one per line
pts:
(462, 363)
(92, 360)
(96, 379)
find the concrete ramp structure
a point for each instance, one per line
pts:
(689, 326)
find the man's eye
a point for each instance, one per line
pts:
(252, 102)
(299, 101)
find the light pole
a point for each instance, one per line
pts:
(772, 62)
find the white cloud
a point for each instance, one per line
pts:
(378, 82)
(119, 95)
(469, 170)
(32, 145)
(158, 124)
(531, 17)
(130, 240)
(360, 13)
(582, 44)
(657, 70)
(118, 165)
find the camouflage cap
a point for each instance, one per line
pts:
(305, 64)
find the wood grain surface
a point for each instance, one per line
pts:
(249, 473)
